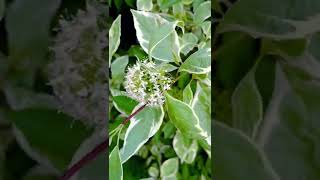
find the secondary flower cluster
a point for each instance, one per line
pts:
(145, 83)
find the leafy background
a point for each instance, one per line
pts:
(266, 90)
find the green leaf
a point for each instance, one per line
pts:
(288, 19)
(2, 8)
(131, 3)
(202, 12)
(290, 129)
(178, 9)
(144, 5)
(115, 165)
(137, 51)
(184, 118)
(114, 37)
(247, 106)
(26, 43)
(153, 172)
(292, 47)
(201, 105)
(159, 42)
(52, 134)
(198, 62)
(185, 148)
(118, 70)
(124, 104)
(118, 3)
(164, 4)
(236, 55)
(187, 94)
(188, 42)
(142, 127)
(169, 168)
(232, 148)
(165, 43)
(168, 130)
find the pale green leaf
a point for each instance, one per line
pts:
(152, 26)
(118, 70)
(206, 28)
(178, 9)
(165, 4)
(184, 118)
(115, 165)
(201, 105)
(185, 148)
(202, 12)
(153, 172)
(188, 42)
(198, 62)
(169, 167)
(144, 5)
(114, 37)
(142, 127)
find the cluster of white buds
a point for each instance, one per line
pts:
(146, 84)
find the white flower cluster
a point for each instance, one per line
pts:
(147, 84)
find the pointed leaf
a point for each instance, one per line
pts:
(184, 118)
(185, 148)
(198, 62)
(142, 127)
(115, 166)
(247, 105)
(151, 26)
(114, 37)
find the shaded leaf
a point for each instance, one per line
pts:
(247, 110)
(288, 19)
(232, 147)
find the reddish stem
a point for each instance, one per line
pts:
(94, 153)
(88, 157)
(133, 114)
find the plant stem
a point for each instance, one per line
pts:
(95, 152)
(84, 160)
(133, 114)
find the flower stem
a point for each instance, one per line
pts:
(95, 152)
(133, 114)
(84, 160)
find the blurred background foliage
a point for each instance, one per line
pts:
(39, 138)
(266, 90)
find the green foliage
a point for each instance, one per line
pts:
(268, 62)
(174, 139)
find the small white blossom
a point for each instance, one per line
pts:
(145, 83)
